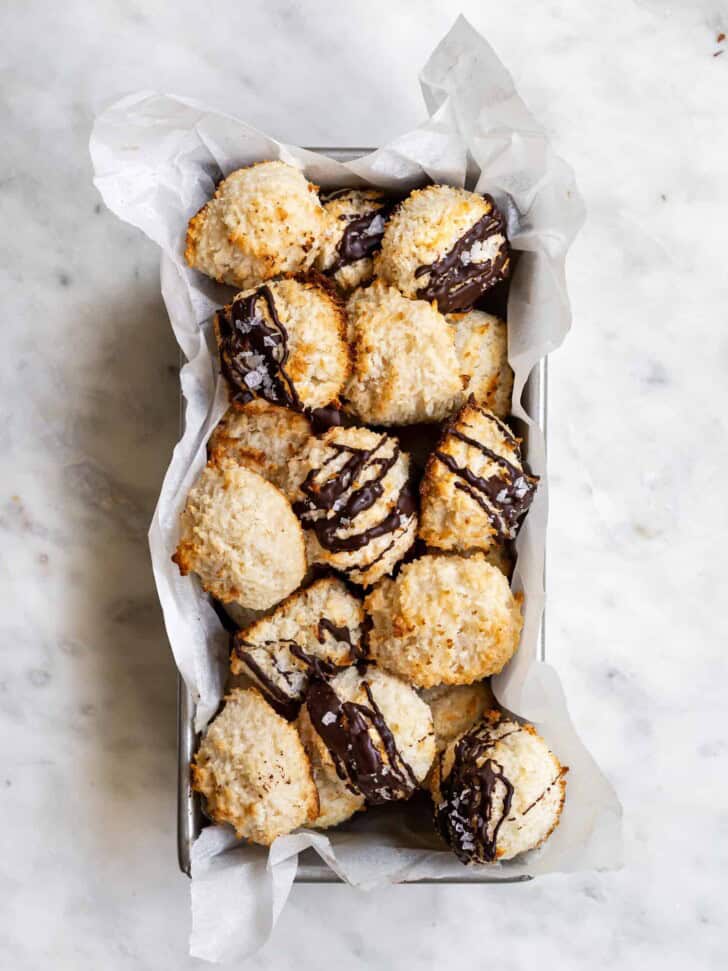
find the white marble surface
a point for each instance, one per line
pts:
(635, 100)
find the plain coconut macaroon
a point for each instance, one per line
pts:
(372, 731)
(240, 536)
(354, 225)
(475, 491)
(262, 437)
(456, 708)
(354, 502)
(264, 220)
(285, 342)
(446, 245)
(253, 771)
(444, 620)
(481, 344)
(405, 368)
(315, 632)
(498, 790)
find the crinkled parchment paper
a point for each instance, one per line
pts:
(157, 159)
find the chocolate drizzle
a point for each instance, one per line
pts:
(285, 686)
(362, 236)
(457, 280)
(254, 353)
(340, 634)
(349, 731)
(506, 496)
(285, 702)
(476, 797)
(332, 502)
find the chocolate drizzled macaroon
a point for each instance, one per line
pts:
(445, 245)
(263, 220)
(253, 771)
(444, 620)
(354, 226)
(373, 732)
(404, 366)
(314, 633)
(355, 503)
(284, 342)
(498, 791)
(337, 801)
(262, 437)
(240, 536)
(475, 490)
(481, 344)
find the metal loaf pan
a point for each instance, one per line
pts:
(311, 869)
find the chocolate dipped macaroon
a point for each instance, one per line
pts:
(284, 342)
(498, 791)
(353, 230)
(445, 245)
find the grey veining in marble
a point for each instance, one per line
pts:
(634, 95)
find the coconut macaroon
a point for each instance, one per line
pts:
(374, 731)
(314, 633)
(475, 490)
(498, 791)
(354, 502)
(253, 771)
(284, 342)
(337, 802)
(445, 244)
(404, 365)
(481, 344)
(444, 620)
(240, 536)
(262, 437)
(263, 220)
(354, 225)
(456, 708)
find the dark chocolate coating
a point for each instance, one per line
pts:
(346, 729)
(475, 798)
(456, 285)
(253, 353)
(357, 240)
(280, 691)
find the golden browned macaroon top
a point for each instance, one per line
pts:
(264, 220)
(262, 437)
(240, 536)
(404, 366)
(253, 771)
(475, 491)
(444, 620)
